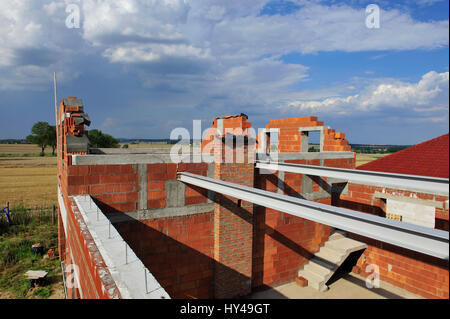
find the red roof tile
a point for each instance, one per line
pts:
(429, 158)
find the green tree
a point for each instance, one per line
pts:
(41, 135)
(51, 137)
(100, 140)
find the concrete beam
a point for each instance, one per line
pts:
(309, 156)
(142, 191)
(175, 194)
(425, 240)
(125, 159)
(119, 217)
(409, 199)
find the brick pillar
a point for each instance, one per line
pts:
(233, 220)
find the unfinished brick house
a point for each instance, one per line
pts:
(135, 224)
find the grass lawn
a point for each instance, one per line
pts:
(16, 257)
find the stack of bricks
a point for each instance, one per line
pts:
(335, 142)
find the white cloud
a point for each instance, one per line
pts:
(232, 30)
(430, 94)
(35, 42)
(195, 45)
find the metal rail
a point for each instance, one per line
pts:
(425, 240)
(434, 185)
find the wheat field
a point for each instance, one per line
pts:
(30, 181)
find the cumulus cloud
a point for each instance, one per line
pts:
(429, 95)
(35, 42)
(232, 30)
(222, 36)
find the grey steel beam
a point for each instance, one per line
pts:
(425, 240)
(434, 185)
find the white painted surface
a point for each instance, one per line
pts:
(412, 213)
(128, 273)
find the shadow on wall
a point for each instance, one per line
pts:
(183, 271)
(179, 251)
(181, 257)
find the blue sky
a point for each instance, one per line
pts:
(144, 68)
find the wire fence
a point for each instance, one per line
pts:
(21, 215)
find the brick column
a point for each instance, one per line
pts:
(233, 219)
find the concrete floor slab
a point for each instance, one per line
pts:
(350, 286)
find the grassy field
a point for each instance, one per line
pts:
(30, 181)
(366, 158)
(28, 227)
(21, 149)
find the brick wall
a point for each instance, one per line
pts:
(178, 251)
(415, 272)
(289, 138)
(418, 273)
(83, 257)
(233, 225)
(113, 187)
(283, 243)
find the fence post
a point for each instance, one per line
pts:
(8, 217)
(53, 214)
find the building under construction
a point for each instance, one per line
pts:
(135, 224)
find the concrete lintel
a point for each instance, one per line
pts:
(409, 199)
(161, 213)
(312, 128)
(125, 151)
(125, 159)
(271, 130)
(311, 155)
(315, 195)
